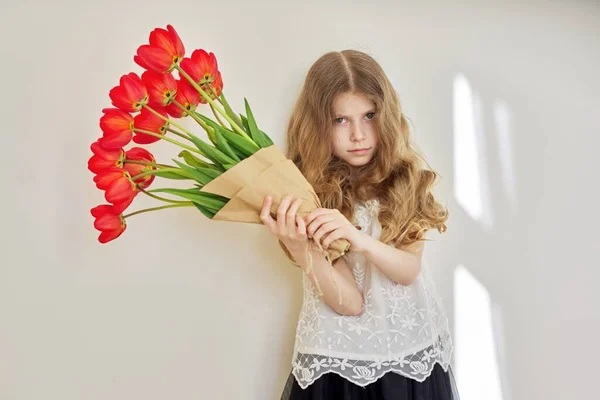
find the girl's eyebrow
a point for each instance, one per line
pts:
(371, 110)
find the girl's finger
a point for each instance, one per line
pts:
(301, 225)
(314, 214)
(281, 213)
(265, 215)
(291, 214)
(313, 226)
(323, 230)
(332, 237)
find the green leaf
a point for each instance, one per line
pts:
(209, 172)
(195, 173)
(211, 136)
(163, 173)
(257, 135)
(207, 212)
(209, 200)
(245, 123)
(224, 146)
(190, 190)
(247, 128)
(230, 112)
(239, 153)
(237, 142)
(194, 161)
(210, 152)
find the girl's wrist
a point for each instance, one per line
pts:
(362, 243)
(301, 255)
(298, 252)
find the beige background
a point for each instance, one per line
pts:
(185, 308)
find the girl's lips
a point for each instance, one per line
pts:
(361, 151)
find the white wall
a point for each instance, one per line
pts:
(182, 307)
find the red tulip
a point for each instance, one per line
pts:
(110, 223)
(161, 88)
(187, 96)
(104, 159)
(120, 189)
(203, 68)
(217, 86)
(131, 94)
(148, 121)
(139, 154)
(163, 53)
(117, 128)
(105, 177)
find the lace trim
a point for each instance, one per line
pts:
(417, 366)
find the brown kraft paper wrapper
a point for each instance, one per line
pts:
(267, 173)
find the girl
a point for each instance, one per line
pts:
(388, 338)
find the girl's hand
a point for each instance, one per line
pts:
(289, 228)
(326, 225)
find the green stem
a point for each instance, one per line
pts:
(150, 164)
(185, 204)
(171, 122)
(181, 135)
(212, 91)
(218, 119)
(168, 139)
(212, 103)
(161, 198)
(193, 115)
(153, 172)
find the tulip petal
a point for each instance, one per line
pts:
(104, 153)
(101, 210)
(116, 140)
(97, 164)
(130, 95)
(108, 236)
(108, 222)
(179, 47)
(107, 176)
(154, 59)
(142, 138)
(120, 207)
(162, 39)
(120, 190)
(162, 88)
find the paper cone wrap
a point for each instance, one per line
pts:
(266, 173)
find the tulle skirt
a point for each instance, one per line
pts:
(440, 385)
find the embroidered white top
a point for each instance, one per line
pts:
(402, 329)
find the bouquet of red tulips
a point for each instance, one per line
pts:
(229, 175)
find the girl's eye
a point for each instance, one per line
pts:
(339, 120)
(370, 115)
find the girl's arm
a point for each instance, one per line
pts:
(400, 265)
(330, 280)
(290, 229)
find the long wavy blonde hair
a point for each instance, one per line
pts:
(397, 175)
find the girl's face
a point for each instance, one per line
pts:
(354, 133)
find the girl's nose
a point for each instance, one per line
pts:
(357, 134)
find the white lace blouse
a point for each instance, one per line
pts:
(402, 329)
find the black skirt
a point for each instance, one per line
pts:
(440, 385)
